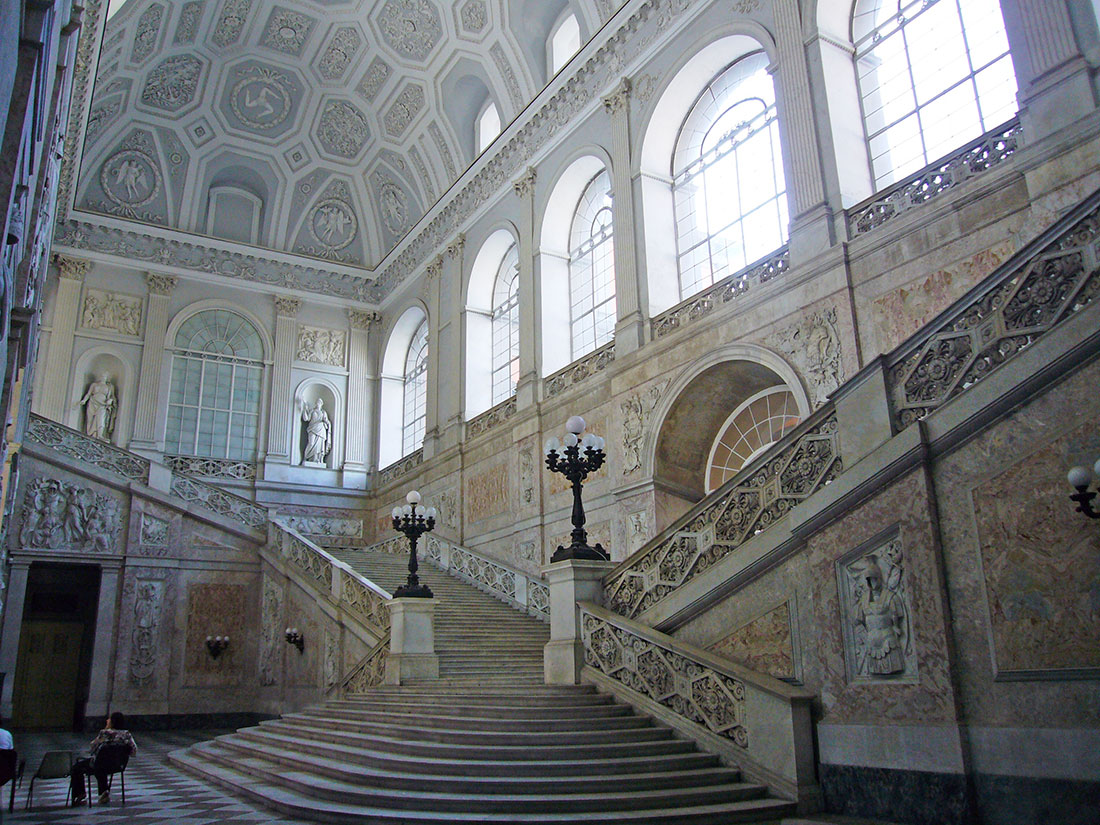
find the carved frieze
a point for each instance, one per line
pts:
(331, 665)
(487, 493)
(271, 613)
(326, 526)
(144, 634)
(114, 311)
(813, 346)
(321, 346)
(154, 531)
(58, 515)
(636, 411)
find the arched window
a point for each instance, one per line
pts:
(592, 269)
(754, 426)
(415, 403)
(932, 75)
(564, 42)
(488, 126)
(729, 193)
(217, 373)
(506, 327)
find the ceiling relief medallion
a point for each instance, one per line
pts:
(411, 28)
(342, 130)
(148, 29)
(188, 26)
(287, 31)
(340, 52)
(333, 224)
(377, 73)
(130, 179)
(393, 204)
(403, 110)
(473, 17)
(262, 99)
(172, 83)
(231, 23)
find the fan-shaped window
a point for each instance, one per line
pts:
(506, 327)
(592, 268)
(415, 408)
(488, 126)
(564, 42)
(753, 427)
(217, 374)
(932, 75)
(728, 188)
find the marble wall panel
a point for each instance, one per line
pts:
(216, 609)
(765, 644)
(487, 493)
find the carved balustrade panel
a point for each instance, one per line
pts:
(747, 504)
(733, 286)
(1010, 314)
(691, 689)
(370, 672)
(369, 605)
(74, 444)
(481, 570)
(538, 599)
(211, 467)
(308, 560)
(596, 361)
(490, 418)
(975, 158)
(399, 468)
(225, 504)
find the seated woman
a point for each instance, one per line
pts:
(114, 733)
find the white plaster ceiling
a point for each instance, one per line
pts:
(348, 118)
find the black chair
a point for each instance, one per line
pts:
(9, 760)
(54, 765)
(110, 759)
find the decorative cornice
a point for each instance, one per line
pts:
(363, 320)
(619, 97)
(72, 268)
(160, 284)
(525, 185)
(287, 306)
(454, 249)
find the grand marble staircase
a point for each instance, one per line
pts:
(487, 743)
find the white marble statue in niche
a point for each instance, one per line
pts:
(99, 404)
(318, 428)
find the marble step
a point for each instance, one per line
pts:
(488, 722)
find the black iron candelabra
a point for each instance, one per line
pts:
(577, 455)
(294, 637)
(414, 520)
(1081, 478)
(216, 645)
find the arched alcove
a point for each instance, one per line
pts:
(304, 416)
(91, 367)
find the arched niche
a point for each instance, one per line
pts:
(696, 409)
(392, 383)
(466, 89)
(306, 396)
(91, 366)
(479, 321)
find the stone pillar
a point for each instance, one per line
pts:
(13, 622)
(282, 393)
(152, 357)
(1051, 71)
(103, 646)
(54, 391)
(631, 323)
(412, 641)
(571, 581)
(452, 378)
(528, 383)
(362, 388)
(432, 412)
(811, 229)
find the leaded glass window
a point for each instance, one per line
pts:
(754, 426)
(729, 193)
(414, 412)
(217, 375)
(506, 327)
(592, 269)
(933, 74)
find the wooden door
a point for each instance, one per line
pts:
(46, 675)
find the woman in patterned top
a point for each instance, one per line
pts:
(115, 732)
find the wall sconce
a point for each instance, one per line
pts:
(1081, 478)
(216, 645)
(294, 637)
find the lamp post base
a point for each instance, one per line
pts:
(413, 591)
(581, 551)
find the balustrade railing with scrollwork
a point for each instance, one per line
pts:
(212, 467)
(726, 290)
(369, 672)
(579, 370)
(491, 417)
(1053, 278)
(75, 444)
(401, 467)
(802, 463)
(220, 502)
(976, 157)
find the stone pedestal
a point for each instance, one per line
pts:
(412, 641)
(571, 581)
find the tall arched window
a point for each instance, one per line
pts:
(563, 43)
(592, 268)
(506, 327)
(729, 193)
(415, 404)
(217, 374)
(932, 75)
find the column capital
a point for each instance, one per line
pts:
(287, 306)
(619, 98)
(525, 185)
(454, 249)
(72, 268)
(362, 319)
(435, 267)
(160, 284)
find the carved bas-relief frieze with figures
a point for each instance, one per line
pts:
(321, 346)
(62, 516)
(111, 311)
(876, 614)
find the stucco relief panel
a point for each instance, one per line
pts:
(487, 493)
(59, 515)
(147, 598)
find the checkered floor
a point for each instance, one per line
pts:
(155, 791)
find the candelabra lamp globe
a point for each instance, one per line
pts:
(1080, 478)
(413, 519)
(575, 456)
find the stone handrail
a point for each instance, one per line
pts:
(800, 464)
(759, 721)
(727, 289)
(1051, 279)
(369, 672)
(333, 579)
(976, 157)
(75, 444)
